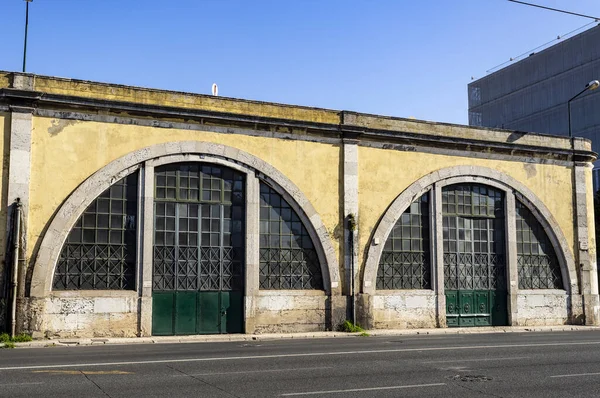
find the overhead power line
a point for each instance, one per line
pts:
(555, 9)
(530, 52)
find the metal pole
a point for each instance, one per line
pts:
(569, 106)
(26, 26)
(352, 277)
(15, 267)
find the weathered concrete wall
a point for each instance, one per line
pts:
(112, 314)
(403, 309)
(543, 307)
(591, 222)
(379, 186)
(445, 130)
(116, 314)
(290, 311)
(140, 95)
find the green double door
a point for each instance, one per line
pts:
(474, 256)
(198, 264)
(466, 308)
(186, 313)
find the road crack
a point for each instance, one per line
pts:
(203, 382)
(94, 383)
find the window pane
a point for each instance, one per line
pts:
(537, 263)
(288, 259)
(193, 254)
(405, 260)
(108, 253)
(472, 260)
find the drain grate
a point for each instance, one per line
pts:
(470, 378)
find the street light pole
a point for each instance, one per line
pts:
(590, 86)
(26, 26)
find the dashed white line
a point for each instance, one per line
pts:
(19, 384)
(578, 375)
(476, 360)
(361, 389)
(258, 371)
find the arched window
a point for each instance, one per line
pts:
(100, 251)
(473, 233)
(537, 262)
(406, 260)
(288, 259)
(199, 228)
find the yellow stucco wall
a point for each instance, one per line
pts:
(313, 167)
(65, 153)
(4, 79)
(384, 174)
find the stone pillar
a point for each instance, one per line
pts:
(252, 251)
(351, 231)
(584, 222)
(437, 264)
(146, 236)
(512, 272)
(19, 173)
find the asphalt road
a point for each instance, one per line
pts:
(550, 364)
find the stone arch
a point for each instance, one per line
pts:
(94, 185)
(476, 174)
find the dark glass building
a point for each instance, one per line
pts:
(532, 94)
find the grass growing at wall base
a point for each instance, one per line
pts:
(10, 342)
(350, 327)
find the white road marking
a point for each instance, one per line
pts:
(361, 389)
(19, 384)
(476, 360)
(308, 354)
(456, 368)
(421, 337)
(579, 374)
(257, 371)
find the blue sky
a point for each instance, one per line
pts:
(391, 57)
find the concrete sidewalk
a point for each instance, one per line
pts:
(283, 336)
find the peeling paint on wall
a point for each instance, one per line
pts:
(58, 126)
(530, 170)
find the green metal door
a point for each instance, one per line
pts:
(198, 277)
(474, 261)
(476, 308)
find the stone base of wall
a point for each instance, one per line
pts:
(546, 308)
(80, 314)
(72, 316)
(290, 311)
(403, 309)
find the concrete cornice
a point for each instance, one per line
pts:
(370, 130)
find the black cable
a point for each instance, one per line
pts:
(555, 9)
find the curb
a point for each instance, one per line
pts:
(72, 342)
